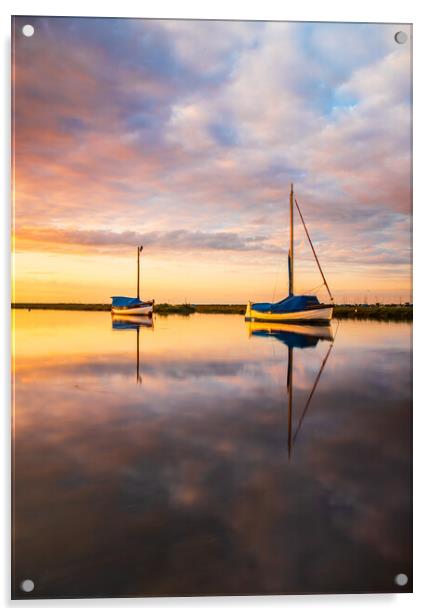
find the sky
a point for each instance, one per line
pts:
(184, 136)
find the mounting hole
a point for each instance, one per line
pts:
(401, 579)
(400, 37)
(28, 30)
(27, 585)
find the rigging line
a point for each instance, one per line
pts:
(313, 289)
(319, 374)
(314, 252)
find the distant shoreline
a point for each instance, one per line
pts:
(380, 312)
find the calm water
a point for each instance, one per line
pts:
(164, 460)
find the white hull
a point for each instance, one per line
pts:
(139, 310)
(317, 314)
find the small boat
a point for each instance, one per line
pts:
(293, 308)
(131, 305)
(122, 305)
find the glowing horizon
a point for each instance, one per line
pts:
(184, 136)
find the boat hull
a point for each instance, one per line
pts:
(320, 314)
(146, 309)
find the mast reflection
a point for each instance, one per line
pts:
(128, 322)
(300, 337)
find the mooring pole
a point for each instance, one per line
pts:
(139, 250)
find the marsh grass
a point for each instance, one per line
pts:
(377, 312)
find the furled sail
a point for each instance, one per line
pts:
(118, 301)
(292, 303)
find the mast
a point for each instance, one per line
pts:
(291, 243)
(139, 250)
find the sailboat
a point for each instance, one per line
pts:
(132, 305)
(293, 308)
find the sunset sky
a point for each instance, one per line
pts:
(184, 136)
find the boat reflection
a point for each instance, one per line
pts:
(291, 334)
(124, 322)
(300, 337)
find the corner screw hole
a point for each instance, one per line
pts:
(401, 579)
(28, 30)
(27, 585)
(400, 37)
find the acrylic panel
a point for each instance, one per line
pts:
(212, 385)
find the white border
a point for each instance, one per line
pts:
(414, 11)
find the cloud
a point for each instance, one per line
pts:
(200, 127)
(176, 239)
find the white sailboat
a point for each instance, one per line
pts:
(122, 305)
(293, 308)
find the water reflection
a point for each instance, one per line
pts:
(293, 335)
(125, 322)
(301, 337)
(183, 485)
